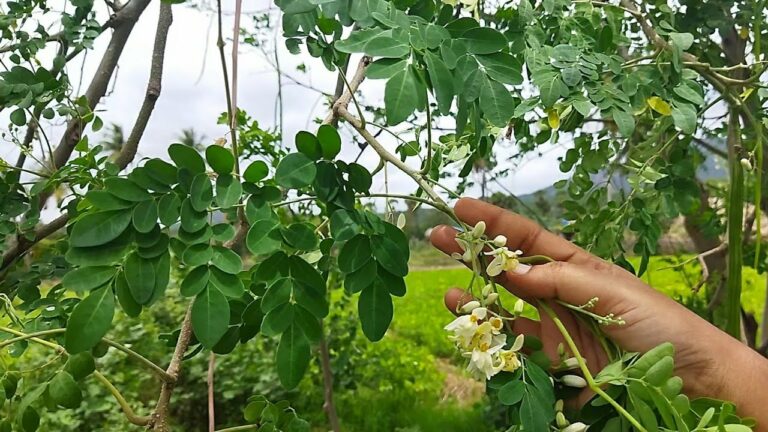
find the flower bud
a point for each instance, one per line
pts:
(220, 141)
(401, 221)
(478, 230)
(746, 164)
(500, 241)
(519, 305)
(571, 363)
(487, 289)
(573, 381)
(576, 427)
(470, 306)
(561, 420)
(491, 298)
(559, 405)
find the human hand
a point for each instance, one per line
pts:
(706, 359)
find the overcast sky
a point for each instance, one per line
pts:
(192, 93)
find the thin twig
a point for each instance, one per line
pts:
(211, 407)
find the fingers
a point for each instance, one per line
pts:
(455, 298)
(522, 233)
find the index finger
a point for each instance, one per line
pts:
(521, 232)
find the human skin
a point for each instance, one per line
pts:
(710, 362)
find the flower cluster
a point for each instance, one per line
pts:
(473, 242)
(478, 335)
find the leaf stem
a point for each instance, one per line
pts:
(585, 370)
(127, 410)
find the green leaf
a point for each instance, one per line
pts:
(277, 294)
(484, 40)
(259, 241)
(277, 320)
(88, 278)
(256, 171)
(201, 193)
(330, 141)
(498, 104)
(385, 68)
(354, 253)
(387, 46)
(123, 292)
(684, 117)
(308, 144)
(192, 220)
(90, 320)
(512, 392)
(226, 260)
(344, 225)
(395, 284)
(126, 189)
(140, 275)
(169, 208)
(145, 216)
(442, 82)
(295, 171)
(357, 40)
(400, 96)
(104, 255)
(228, 191)
(19, 117)
(220, 159)
(80, 365)
(361, 278)
(389, 255)
(376, 310)
(292, 357)
(186, 157)
(502, 67)
(682, 41)
(210, 317)
(300, 236)
(162, 171)
(308, 323)
(624, 122)
(96, 229)
(197, 254)
(689, 94)
(195, 281)
(228, 284)
(359, 178)
(64, 390)
(551, 89)
(104, 200)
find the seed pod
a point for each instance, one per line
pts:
(561, 420)
(681, 404)
(659, 373)
(650, 358)
(573, 381)
(672, 387)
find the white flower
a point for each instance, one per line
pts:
(519, 305)
(510, 361)
(500, 241)
(570, 363)
(491, 299)
(465, 326)
(487, 289)
(471, 249)
(483, 363)
(573, 381)
(504, 260)
(746, 164)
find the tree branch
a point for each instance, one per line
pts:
(123, 24)
(159, 422)
(154, 86)
(211, 404)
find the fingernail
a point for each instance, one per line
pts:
(521, 269)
